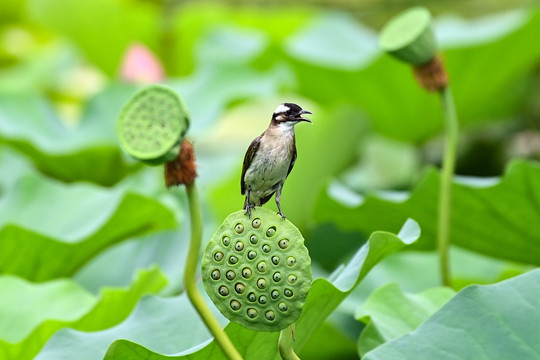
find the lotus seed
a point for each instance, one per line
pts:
(246, 273)
(270, 315)
(266, 248)
(282, 306)
(256, 223)
(239, 228)
(233, 260)
(253, 239)
(288, 292)
(216, 274)
(218, 256)
(261, 266)
(275, 260)
(239, 246)
(226, 240)
(292, 279)
(252, 313)
(283, 243)
(274, 294)
(223, 291)
(251, 297)
(239, 288)
(262, 300)
(277, 277)
(261, 283)
(230, 275)
(271, 231)
(235, 305)
(291, 261)
(252, 255)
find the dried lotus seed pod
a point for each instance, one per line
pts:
(152, 123)
(264, 288)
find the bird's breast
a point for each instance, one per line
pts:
(270, 164)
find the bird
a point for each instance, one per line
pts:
(270, 158)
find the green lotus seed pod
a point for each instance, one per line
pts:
(409, 36)
(271, 267)
(152, 124)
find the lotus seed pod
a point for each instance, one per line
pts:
(152, 124)
(409, 36)
(271, 267)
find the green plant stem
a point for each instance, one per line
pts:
(189, 277)
(445, 189)
(285, 344)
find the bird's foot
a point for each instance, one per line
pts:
(248, 210)
(281, 214)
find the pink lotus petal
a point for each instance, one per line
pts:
(141, 66)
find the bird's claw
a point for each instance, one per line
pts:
(281, 214)
(248, 210)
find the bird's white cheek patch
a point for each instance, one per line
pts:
(281, 109)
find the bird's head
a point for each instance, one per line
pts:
(289, 113)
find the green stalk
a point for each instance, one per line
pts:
(285, 345)
(445, 189)
(189, 277)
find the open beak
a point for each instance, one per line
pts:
(300, 118)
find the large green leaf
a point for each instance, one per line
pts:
(60, 303)
(329, 342)
(168, 325)
(325, 295)
(159, 324)
(89, 151)
(494, 217)
(103, 41)
(57, 227)
(390, 313)
(481, 322)
(387, 91)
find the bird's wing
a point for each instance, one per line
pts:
(250, 153)
(293, 159)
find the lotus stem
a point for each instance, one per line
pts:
(189, 276)
(285, 345)
(445, 189)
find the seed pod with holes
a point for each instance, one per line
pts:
(409, 36)
(257, 271)
(152, 124)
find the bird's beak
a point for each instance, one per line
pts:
(300, 118)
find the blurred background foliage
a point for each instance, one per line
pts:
(72, 206)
